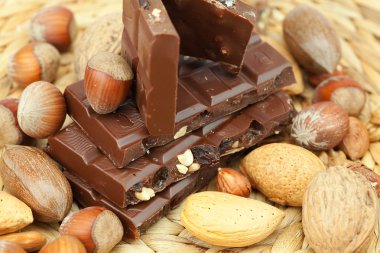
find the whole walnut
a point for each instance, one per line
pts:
(340, 211)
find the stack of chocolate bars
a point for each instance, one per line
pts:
(206, 87)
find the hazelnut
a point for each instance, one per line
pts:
(10, 247)
(367, 173)
(321, 126)
(107, 82)
(233, 182)
(64, 244)
(356, 143)
(34, 62)
(42, 110)
(96, 227)
(194, 167)
(315, 80)
(344, 92)
(10, 133)
(55, 25)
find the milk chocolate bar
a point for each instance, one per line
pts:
(163, 165)
(206, 93)
(215, 30)
(137, 219)
(156, 46)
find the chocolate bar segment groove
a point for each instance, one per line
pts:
(137, 219)
(213, 30)
(205, 93)
(156, 50)
(158, 169)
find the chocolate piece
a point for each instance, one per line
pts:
(215, 30)
(156, 45)
(158, 169)
(137, 219)
(205, 93)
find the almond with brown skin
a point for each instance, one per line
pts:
(14, 214)
(233, 182)
(29, 241)
(33, 177)
(312, 40)
(356, 143)
(10, 247)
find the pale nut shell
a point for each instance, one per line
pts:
(340, 211)
(10, 247)
(14, 214)
(42, 110)
(227, 220)
(33, 177)
(281, 171)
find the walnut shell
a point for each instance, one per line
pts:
(102, 36)
(340, 211)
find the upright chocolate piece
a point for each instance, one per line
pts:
(205, 93)
(163, 165)
(137, 219)
(213, 30)
(156, 44)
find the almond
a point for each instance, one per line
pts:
(227, 220)
(312, 39)
(281, 171)
(33, 177)
(14, 214)
(29, 241)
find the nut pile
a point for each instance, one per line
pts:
(312, 170)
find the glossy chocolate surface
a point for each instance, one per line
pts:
(213, 30)
(206, 93)
(158, 169)
(156, 45)
(137, 219)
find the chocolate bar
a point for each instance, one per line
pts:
(214, 30)
(206, 93)
(137, 219)
(163, 165)
(156, 46)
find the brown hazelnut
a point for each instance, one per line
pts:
(315, 80)
(34, 62)
(42, 110)
(96, 227)
(356, 143)
(233, 182)
(344, 92)
(64, 244)
(10, 133)
(321, 126)
(55, 25)
(107, 82)
(369, 174)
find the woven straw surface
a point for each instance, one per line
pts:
(358, 24)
